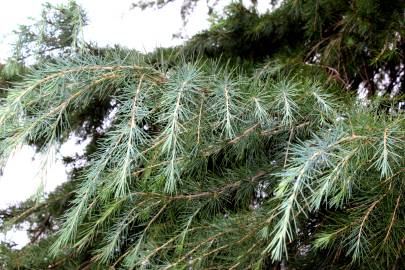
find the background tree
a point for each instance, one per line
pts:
(241, 149)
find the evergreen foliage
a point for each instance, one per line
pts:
(253, 160)
(355, 41)
(58, 32)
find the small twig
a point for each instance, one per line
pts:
(392, 219)
(244, 134)
(218, 191)
(288, 146)
(212, 238)
(199, 122)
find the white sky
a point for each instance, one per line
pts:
(110, 22)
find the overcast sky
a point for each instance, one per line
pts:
(110, 22)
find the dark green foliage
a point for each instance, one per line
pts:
(353, 40)
(58, 32)
(241, 149)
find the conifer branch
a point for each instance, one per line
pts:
(392, 221)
